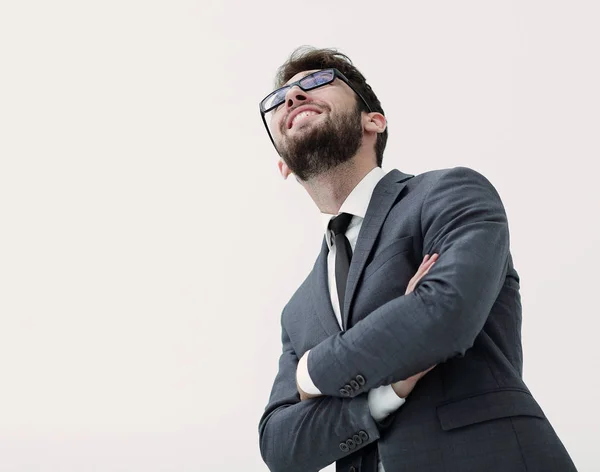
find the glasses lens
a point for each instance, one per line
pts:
(274, 99)
(314, 80)
(317, 79)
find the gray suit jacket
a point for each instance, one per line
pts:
(472, 412)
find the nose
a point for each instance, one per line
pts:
(294, 96)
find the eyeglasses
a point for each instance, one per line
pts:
(310, 82)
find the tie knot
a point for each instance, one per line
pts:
(340, 223)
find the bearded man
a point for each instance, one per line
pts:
(414, 292)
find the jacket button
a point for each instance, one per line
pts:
(348, 387)
(364, 436)
(350, 444)
(344, 392)
(360, 379)
(344, 447)
(357, 439)
(354, 384)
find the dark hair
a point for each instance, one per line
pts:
(308, 58)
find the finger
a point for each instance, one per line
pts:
(424, 267)
(427, 270)
(419, 275)
(428, 260)
(425, 260)
(422, 374)
(433, 258)
(412, 284)
(427, 265)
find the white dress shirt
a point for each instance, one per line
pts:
(382, 400)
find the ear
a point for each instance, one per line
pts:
(375, 122)
(284, 170)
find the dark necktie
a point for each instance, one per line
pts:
(343, 254)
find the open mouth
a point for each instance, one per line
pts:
(301, 116)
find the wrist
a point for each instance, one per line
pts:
(401, 389)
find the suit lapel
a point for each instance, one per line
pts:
(320, 290)
(385, 194)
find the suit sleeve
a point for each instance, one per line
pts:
(383, 400)
(462, 219)
(307, 436)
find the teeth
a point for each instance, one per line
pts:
(303, 115)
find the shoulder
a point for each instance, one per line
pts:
(460, 171)
(453, 177)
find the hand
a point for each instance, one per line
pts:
(302, 364)
(427, 264)
(304, 395)
(404, 387)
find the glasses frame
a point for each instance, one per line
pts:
(336, 74)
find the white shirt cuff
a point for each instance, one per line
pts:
(383, 401)
(303, 377)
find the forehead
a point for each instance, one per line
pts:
(299, 75)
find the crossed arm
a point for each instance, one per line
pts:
(464, 221)
(353, 417)
(401, 388)
(305, 436)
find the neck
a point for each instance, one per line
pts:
(330, 189)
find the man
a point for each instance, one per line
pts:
(370, 314)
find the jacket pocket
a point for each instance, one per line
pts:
(397, 247)
(487, 406)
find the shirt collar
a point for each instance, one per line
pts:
(358, 201)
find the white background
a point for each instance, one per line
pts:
(148, 244)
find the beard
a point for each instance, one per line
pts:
(324, 146)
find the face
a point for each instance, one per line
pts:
(317, 130)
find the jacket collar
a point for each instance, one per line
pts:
(384, 196)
